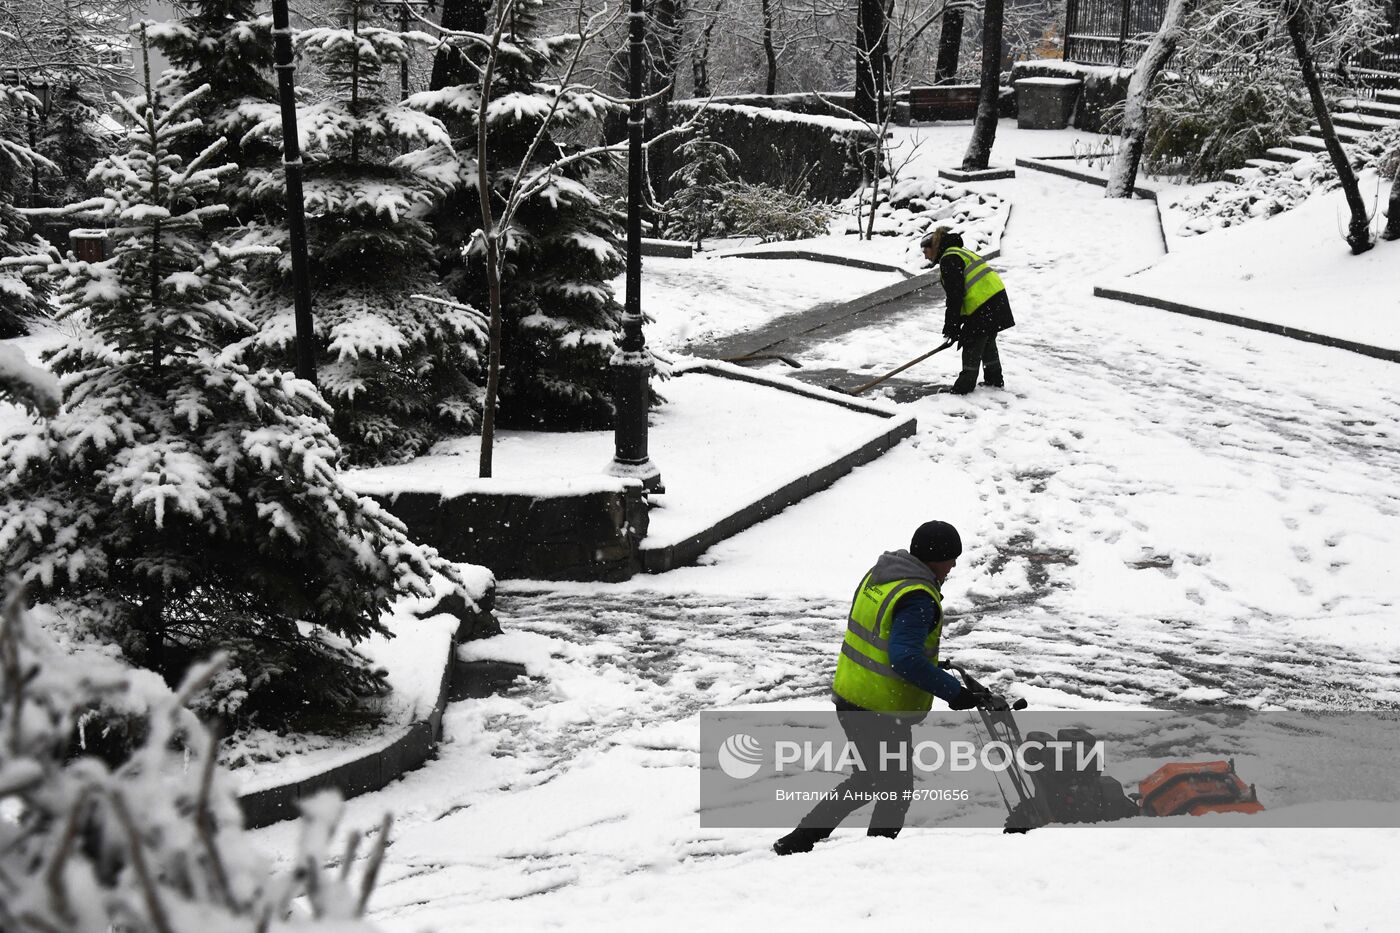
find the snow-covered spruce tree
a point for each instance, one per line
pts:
(399, 370)
(182, 502)
(700, 184)
(155, 842)
(21, 292)
(74, 140)
(227, 45)
(556, 241)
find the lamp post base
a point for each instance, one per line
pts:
(631, 372)
(646, 471)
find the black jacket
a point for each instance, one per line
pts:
(992, 317)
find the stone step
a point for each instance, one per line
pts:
(1284, 154)
(1308, 144)
(1374, 108)
(1263, 164)
(1239, 175)
(1388, 97)
(1363, 122)
(1347, 134)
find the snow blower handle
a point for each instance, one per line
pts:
(995, 702)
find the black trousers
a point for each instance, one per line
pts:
(867, 732)
(979, 350)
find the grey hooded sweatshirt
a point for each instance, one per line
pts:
(915, 615)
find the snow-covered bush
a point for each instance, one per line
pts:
(399, 371)
(154, 841)
(915, 204)
(1199, 126)
(771, 214)
(182, 502)
(560, 319)
(1269, 191)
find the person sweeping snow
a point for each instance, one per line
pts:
(977, 310)
(887, 675)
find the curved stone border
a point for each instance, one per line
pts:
(659, 560)
(375, 770)
(1380, 353)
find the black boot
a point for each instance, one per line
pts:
(800, 840)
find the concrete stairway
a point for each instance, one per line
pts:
(1354, 119)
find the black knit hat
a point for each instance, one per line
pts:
(934, 542)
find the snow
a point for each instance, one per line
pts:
(719, 443)
(713, 295)
(1293, 269)
(1157, 510)
(414, 659)
(1050, 82)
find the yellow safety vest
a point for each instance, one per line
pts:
(863, 673)
(980, 282)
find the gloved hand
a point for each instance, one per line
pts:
(966, 699)
(983, 699)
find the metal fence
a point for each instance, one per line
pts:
(1115, 33)
(1110, 32)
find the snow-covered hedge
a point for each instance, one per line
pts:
(792, 151)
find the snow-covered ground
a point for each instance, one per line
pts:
(721, 444)
(1293, 269)
(710, 296)
(1156, 509)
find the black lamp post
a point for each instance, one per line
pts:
(296, 204)
(631, 366)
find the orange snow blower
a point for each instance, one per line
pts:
(1193, 788)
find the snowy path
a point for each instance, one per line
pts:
(1158, 510)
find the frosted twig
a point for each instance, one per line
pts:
(53, 875)
(376, 859)
(204, 819)
(154, 907)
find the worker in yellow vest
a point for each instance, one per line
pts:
(887, 675)
(977, 308)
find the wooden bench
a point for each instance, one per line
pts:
(943, 102)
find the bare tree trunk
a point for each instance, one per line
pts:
(769, 52)
(1123, 176)
(493, 265)
(1392, 224)
(872, 51)
(984, 128)
(700, 54)
(450, 67)
(1359, 229)
(949, 45)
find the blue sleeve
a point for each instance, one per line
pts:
(914, 618)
